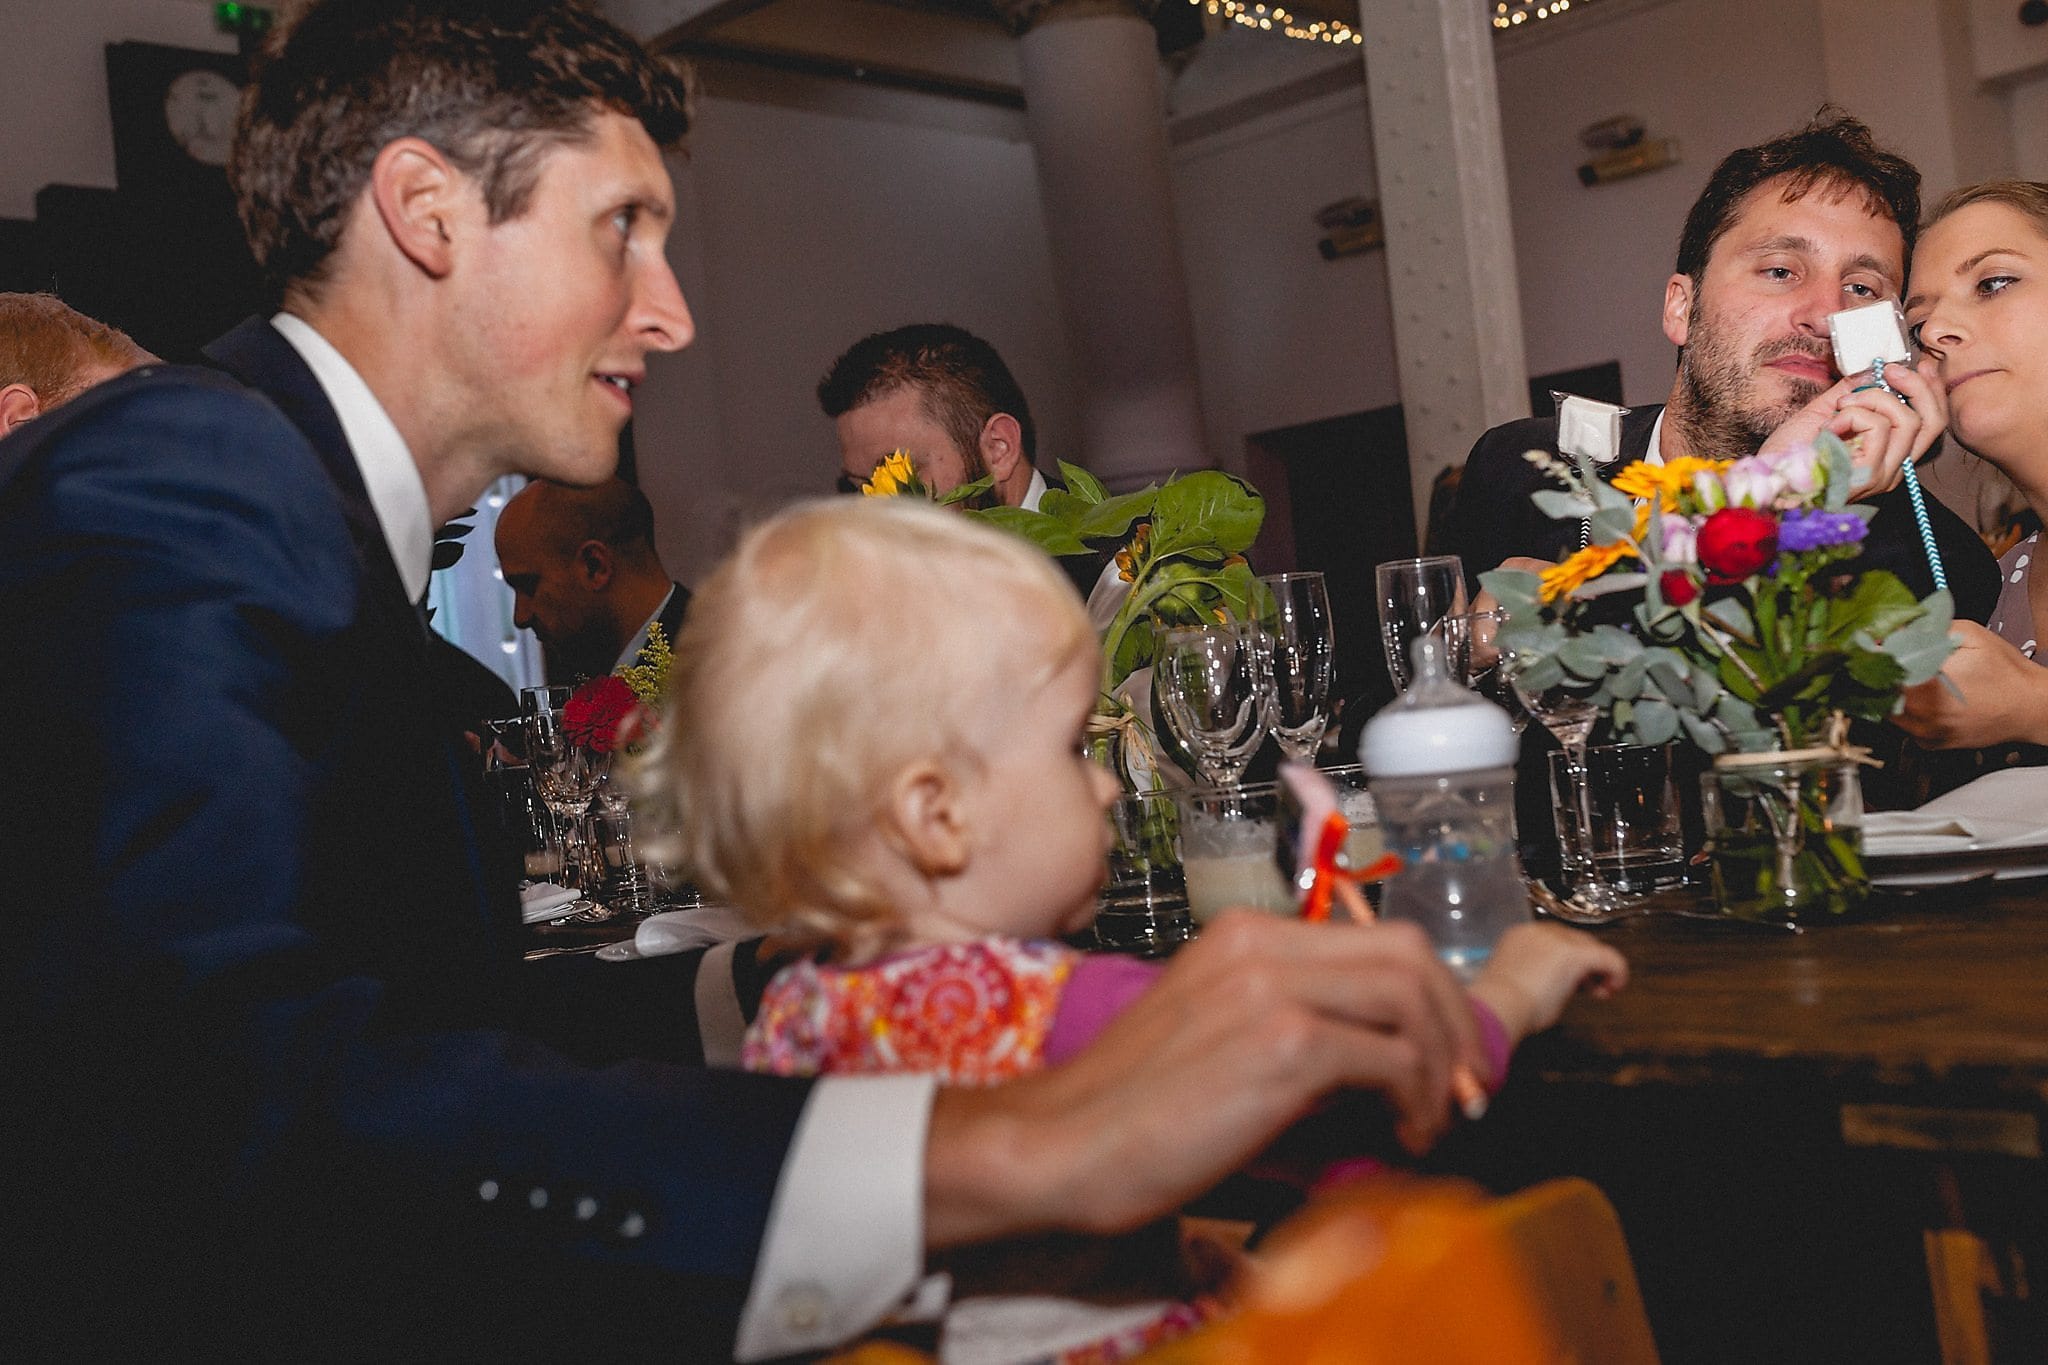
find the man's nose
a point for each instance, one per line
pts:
(1816, 302)
(662, 317)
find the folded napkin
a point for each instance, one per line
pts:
(544, 901)
(678, 931)
(1917, 831)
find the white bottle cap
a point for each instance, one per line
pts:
(1436, 727)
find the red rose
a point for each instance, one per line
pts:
(1678, 587)
(593, 714)
(1735, 542)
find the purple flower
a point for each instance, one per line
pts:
(1801, 530)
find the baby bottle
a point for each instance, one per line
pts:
(1441, 762)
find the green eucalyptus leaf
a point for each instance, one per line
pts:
(1656, 722)
(1837, 469)
(1610, 583)
(1612, 523)
(1562, 506)
(1704, 736)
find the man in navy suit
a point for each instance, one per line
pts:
(278, 1083)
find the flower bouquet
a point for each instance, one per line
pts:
(1717, 602)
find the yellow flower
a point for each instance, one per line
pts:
(1583, 567)
(892, 476)
(1128, 557)
(1642, 480)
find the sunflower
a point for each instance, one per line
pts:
(1583, 567)
(892, 476)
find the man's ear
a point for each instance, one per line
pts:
(18, 404)
(925, 816)
(595, 565)
(1678, 295)
(1002, 445)
(418, 195)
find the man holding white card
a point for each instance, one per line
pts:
(1786, 234)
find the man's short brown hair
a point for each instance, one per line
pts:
(54, 349)
(494, 84)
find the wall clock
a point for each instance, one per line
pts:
(174, 117)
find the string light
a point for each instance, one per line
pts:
(1507, 14)
(1277, 19)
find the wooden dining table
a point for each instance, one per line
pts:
(1824, 1146)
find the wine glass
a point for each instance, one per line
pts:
(565, 774)
(1570, 717)
(1211, 683)
(1294, 612)
(1416, 596)
(631, 893)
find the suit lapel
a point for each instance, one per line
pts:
(258, 355)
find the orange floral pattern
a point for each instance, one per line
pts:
(969, 1013)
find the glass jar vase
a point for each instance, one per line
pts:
(1785, 835)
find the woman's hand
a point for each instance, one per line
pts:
(2004, 696)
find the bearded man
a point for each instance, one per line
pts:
(1786, 233)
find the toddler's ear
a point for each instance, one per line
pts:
(927, 817)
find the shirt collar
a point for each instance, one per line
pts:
(630, 655)
(390, 476)
(1033, 492)
(1654, 453)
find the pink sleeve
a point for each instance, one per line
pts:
(1493, 1039)
(1101, 987)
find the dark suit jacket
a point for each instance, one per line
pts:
(1493, 518)
(281, 1089)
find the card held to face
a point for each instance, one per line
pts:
(1865, 335)
(1588, 427)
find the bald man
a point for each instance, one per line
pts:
(584, 574)
(50, 353)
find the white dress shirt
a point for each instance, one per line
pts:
(629, 657)
(844, 1246)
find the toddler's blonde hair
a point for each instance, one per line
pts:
(842, 642)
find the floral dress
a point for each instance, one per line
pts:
(2013, 618)
(971, 1014)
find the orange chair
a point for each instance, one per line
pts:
(1432, 1272)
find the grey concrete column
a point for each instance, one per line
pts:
(1450, 251)
(1098, 128)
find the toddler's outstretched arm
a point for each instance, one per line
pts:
(1536, 968)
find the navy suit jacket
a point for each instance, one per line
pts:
(283, 1086)
(1493, 518)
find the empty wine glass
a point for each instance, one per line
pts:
(1294, 613)
(565, 774)
(1416, 596)
(630, 891)
(1570, 717)
(1211, 683)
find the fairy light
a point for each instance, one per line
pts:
(1278, 19)
(1509, 13)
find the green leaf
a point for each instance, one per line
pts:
(1112, 518)
(1207, 507)
(1081, 483)
(1702, 733)
(966, 492)
(1878, 603)
(1562, 506)
(1047, 533)
(1656, 722)
(1613, 523)
(1732, 617)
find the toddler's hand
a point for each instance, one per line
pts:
(1536, 968)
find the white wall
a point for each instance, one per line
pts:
(802, 232)
(53, 102)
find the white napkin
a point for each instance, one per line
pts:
(678, 931)
(544, 901)
(1899, 832)
(2001, 810)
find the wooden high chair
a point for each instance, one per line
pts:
(1401, 1271)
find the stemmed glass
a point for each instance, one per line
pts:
(1416, 597)
(1211, 683)
(1294, 613)
(631, 893)
(1570, 718)
(565, 774)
